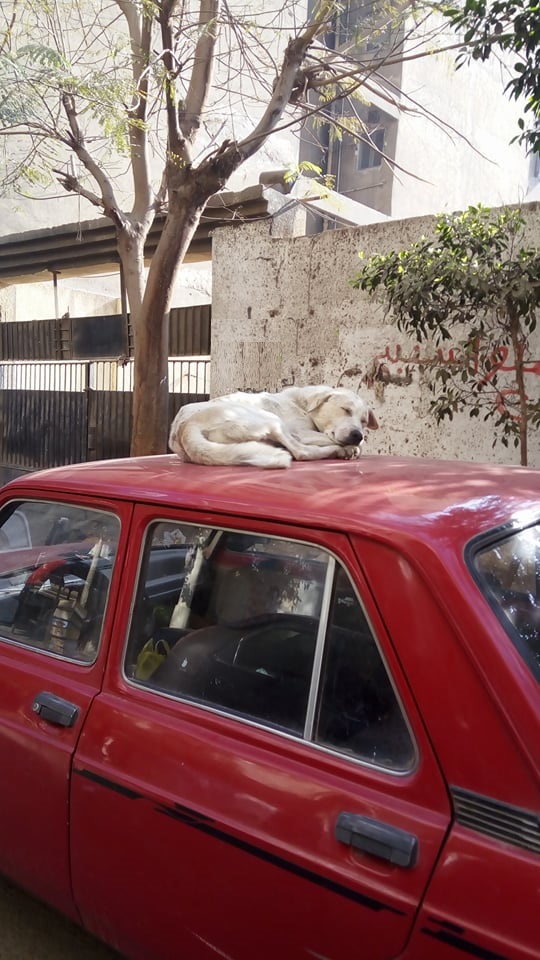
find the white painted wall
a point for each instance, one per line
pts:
(35, 301)
(464, 155)
(284, 312)
(7, 303)
(94, 296)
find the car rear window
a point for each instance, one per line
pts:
(508, 571)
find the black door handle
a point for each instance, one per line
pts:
(55, 709)
(379, 839)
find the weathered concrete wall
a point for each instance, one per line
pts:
(284, 312)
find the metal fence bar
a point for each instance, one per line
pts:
(31, 340)
(105, 336)
(186, 375)
(189, 330)
(60, 375)
(54, 412)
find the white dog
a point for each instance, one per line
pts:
(272, 429)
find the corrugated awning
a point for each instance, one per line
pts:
(87, 247)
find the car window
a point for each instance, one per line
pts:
(266, 629)
(55, 568)
(15, 532)
(359, 712)
(509, 573)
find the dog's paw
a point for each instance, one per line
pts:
(349, 452)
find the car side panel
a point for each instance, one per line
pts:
(35, 757)
(218, 834)
(36, 752)
(466, 674)
(484, 901)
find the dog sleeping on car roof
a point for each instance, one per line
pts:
(272, 429)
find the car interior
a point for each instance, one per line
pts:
(53, 590)
(236, 627)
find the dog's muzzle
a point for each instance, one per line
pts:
(354, 439)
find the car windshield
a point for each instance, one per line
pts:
(509, 573)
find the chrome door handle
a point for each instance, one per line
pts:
(379, 839)
(55, 709)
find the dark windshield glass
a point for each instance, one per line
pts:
(509, 573)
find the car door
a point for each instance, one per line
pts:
(53, 604)
(255, 763)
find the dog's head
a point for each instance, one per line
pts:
(342, 415)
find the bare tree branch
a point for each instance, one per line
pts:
(73, 185)
(294, 55)
(6, 38)
(178, 147)
(77, 143)
(139, 24)
(202, 70)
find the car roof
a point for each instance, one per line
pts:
(422, 497)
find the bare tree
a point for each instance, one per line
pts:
(143, 83)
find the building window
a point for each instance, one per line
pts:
(370, 150)
(366, 25)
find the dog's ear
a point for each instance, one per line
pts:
(318, 395)
(373, 423)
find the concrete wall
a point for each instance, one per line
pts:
(284, 312)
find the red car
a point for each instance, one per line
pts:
(274, 715)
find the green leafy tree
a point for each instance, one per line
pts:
(476, 284)
(140, 107)
(513, 28)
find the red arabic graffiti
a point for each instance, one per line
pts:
(498, 359)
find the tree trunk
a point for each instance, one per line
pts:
(518, 347)
(131, 241)
(151, 384)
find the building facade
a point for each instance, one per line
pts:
(434, 138)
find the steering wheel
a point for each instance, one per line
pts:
(37, 606)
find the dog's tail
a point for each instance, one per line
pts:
(192, 446)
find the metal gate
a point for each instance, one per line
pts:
(86, 338)
(58, 412)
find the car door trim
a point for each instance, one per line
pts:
(453, 936)
(319, 648)
(199, 821)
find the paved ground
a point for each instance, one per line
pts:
(30, 931)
